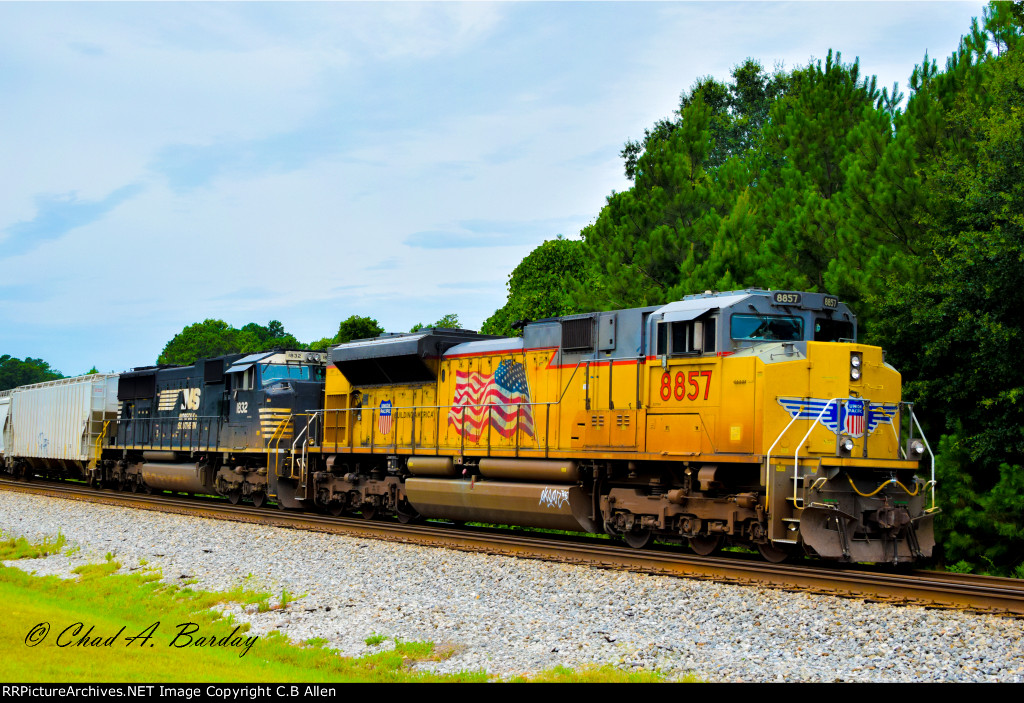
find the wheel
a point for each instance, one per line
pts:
(369, 511)
(235, 496)
(407, 513)
(637, 539)
(770, 552)
(259, 499)
(135, 486)
(336, 508)
(705, 545)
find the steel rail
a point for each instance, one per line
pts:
(985, 594)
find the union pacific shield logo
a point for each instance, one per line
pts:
(384, 421)
(852, 416)
(857, 415)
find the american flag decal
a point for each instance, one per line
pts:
(384, 421)
(479, 396)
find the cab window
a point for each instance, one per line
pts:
(294, 372)
(688, 337)
(826, 330)
(778, 328)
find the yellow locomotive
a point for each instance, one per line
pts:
(749, 417)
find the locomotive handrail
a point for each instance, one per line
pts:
(796, 465)
(930, 453)
(768, 458)
(796, 454)
(187, 437)
(480, 405)
(899, 443)
(274, 446)
(305, 443)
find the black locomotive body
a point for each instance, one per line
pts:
(213, 427)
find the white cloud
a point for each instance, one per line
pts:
(312, 139)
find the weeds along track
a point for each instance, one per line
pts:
(986, 594)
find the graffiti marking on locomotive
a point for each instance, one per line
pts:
(554, 497)
(384, 421)
(500, 399)
(852, 417)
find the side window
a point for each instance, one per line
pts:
(688, 337)
(243, 381)
(709, 336)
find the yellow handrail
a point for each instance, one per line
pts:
(99, 445)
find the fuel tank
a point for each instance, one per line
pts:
(554, 507)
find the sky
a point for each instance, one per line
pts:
(164, 163)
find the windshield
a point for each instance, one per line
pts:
(780, 328)
(292, 372)
(826, 330)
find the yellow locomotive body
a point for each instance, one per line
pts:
(750, 417)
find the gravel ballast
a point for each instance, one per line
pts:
(515, 616)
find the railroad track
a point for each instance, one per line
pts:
(985, 594)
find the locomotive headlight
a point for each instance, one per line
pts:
(916, 449)
(855, 366)
(847, 444)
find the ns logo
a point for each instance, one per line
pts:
(190, 398)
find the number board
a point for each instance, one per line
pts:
(830, 302)
(685, 385)
(786, 298)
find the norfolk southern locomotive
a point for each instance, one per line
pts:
(750, 417)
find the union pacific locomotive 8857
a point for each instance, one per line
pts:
(749, 417)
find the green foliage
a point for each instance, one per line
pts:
(212, 338)
(15, 372)
(356, 327)
(21, 548)
(203, 339)
(739, 111)
(256, 338)
(635, 247)
(449, 321)
(540, 285)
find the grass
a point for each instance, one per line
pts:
(108, 626)
(133, 628)
(20, 548)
